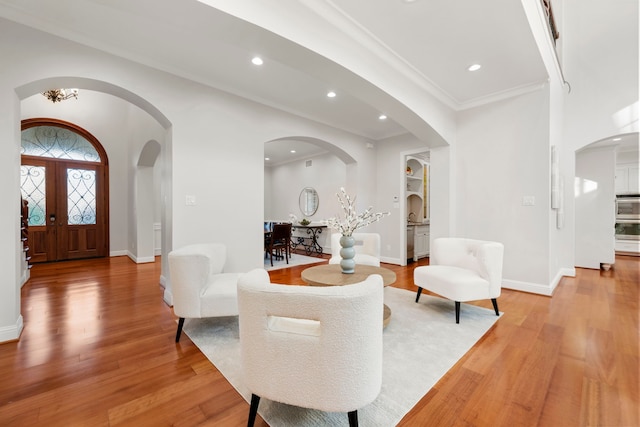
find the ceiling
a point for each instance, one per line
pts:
(431, 41)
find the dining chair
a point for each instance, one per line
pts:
(279, 242)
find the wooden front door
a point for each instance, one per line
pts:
(64, 178)
(70, 223)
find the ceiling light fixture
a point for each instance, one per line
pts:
(266, 158)
(331, 94)
(58, 95)
(617, 139)
(257, 60)
(474, 67)
(293, 151)
(382, 117)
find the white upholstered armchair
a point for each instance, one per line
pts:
(367, 246)
(199, 285)
(462, 270)
(309, 346)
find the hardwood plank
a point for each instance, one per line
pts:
(98, 350)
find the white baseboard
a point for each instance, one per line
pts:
(539, 288)
(390, 260)
(118, 253)
(11, 333)
(26, 274)
(532, 288)
(168, 297)
(140, 260)
(163, 281)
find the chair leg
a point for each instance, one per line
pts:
(457, 311)
(495, 306)
(419, 292)
(353, 419)
(253, 410)
(180, 324)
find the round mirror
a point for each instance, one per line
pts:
(308, 201)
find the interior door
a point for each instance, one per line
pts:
(67, 209)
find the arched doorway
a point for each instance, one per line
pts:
(64, 178)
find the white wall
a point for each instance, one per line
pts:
(502, 155)
(601, 64)
(595, 207)
(326, 174)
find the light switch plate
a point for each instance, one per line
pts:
(528, 201)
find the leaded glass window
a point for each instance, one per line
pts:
(58, 143)
(33, 186)
(81, 196)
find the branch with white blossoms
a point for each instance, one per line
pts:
(352, 221)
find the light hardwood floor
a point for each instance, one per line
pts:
(98, 350)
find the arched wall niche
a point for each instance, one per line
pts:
(147, 197)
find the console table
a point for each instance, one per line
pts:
(310, 241)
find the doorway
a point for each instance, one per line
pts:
(64, 178)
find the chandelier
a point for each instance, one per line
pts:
(58, 95)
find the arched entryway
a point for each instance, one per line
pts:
(64, 178)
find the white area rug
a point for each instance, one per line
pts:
(294, 259)
(421, 343)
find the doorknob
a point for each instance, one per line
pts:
(52, 217)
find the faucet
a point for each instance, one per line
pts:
(409, 217)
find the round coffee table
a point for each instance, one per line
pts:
(332, 275)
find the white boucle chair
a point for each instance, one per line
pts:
(199, 285)
(462, 270)
(309, 346)
(367, 246)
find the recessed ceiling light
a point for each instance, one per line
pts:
(474, 67)
(293, 151)
(382, 117)
(617, 139)
(266, 158)
(257, 60)
(331, 94)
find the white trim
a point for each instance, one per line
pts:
(163, 281)
(538, 288)
(118, 253)
(389, 260)
(141, 260)
(11, 333)
(533, 288)
(168, 297)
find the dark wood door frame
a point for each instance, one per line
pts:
(64, 241)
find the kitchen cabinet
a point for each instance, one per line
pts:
(627, 179)
(421, 241)
(628, 247)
